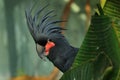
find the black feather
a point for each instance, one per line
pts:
(38, 12)
(45, 26)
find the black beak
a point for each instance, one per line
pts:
(40, 50)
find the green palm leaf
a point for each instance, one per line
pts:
(82, 72)
(112, 9)
(99, 54)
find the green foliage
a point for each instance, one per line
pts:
(80, 72)
(112, 9)
(99, 55)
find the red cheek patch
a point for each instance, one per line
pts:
(48, 46)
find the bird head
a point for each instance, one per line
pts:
(43, 46)
(45, 30)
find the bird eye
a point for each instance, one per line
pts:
(49, 39)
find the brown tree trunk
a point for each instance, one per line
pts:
(66, 13)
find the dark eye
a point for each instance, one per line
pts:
(42, 42)
(50, 39)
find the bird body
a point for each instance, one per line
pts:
(49, 40)
(63, 54)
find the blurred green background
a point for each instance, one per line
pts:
(17, 49)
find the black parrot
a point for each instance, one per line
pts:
(48, 38)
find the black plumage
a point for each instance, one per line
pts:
(62, 54)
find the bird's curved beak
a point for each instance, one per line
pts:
(40, 50)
